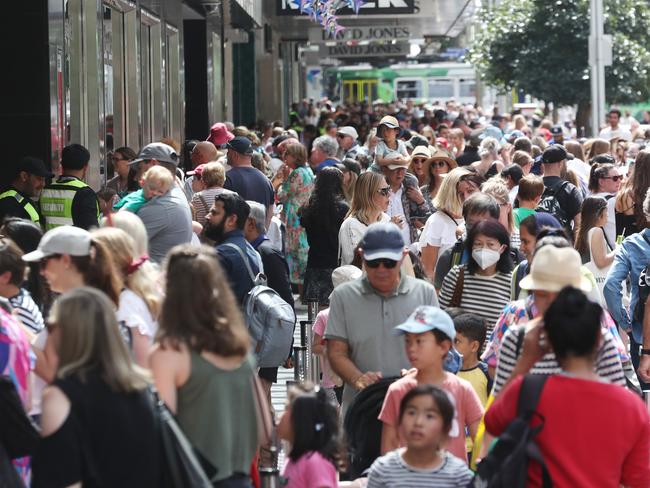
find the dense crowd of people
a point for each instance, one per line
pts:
(453, 254)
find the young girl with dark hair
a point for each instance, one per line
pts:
(482, 286)
(617, 452)
(426, 417)
(310, 425)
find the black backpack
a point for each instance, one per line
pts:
(506, 465)
(363, 428)
(550, 204)
(644, 290)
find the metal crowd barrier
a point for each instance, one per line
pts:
(306, 364)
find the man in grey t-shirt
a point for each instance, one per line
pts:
(362, 347)
(167, 218)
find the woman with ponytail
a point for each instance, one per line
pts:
(71, 258)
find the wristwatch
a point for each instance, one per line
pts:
(644, 352)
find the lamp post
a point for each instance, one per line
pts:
(600, 55)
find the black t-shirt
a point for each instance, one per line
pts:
(468, 156)
(84, 209)
(251, 184)
(568, 196)
(324, 240)
(276, 270)
(108, 439)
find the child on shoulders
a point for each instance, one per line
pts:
(390, 149)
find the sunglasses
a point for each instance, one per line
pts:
(418, 161)
(613, 178)
(438, 164)
(47, 259)
(388, 263)
(384, 192)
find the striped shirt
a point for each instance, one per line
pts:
(483, 295)
(608, 362)
(391, 471)
(27, 310)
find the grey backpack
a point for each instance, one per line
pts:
(270, 320)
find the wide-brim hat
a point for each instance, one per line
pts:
(441, 155)
(555, 268)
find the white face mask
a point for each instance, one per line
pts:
(485, 257)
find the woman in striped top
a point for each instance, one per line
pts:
(481, 286)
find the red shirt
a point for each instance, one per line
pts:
(595, 434)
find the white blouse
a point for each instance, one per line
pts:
(350, 234)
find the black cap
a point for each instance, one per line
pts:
(240, 144)
(556, 130)
(34, 166)
(74, 157)
(554, 154)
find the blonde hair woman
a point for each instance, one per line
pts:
(97, 409)
(445, 226)
(203, 366)
(498, 189)
(369, 204)
(140, 298)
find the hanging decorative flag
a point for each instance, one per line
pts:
(325, 12)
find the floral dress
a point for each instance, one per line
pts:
(293, 194)
(16, 362)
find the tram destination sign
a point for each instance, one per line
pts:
(373, 7)
(364, 51)
(368, 33)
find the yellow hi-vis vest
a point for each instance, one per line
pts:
(56, 202)
(25, 202)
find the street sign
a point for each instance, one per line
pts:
(376, 7)
(368, 33)
(364, 51)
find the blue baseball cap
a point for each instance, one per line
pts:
(426, 318)
(382, 240)
(240, 144)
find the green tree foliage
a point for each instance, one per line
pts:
(541, 47)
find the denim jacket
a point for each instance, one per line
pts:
(630, 259)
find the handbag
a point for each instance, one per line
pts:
(458, 288)
(181, 465)
(17, 433)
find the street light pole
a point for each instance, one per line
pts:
(600, 55)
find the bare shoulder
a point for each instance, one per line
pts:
(164, 357)
(56, 408)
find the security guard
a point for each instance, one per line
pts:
(68, 200)
(19, 200)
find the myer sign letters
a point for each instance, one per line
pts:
(374, 7)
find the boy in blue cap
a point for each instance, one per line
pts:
(428, 337)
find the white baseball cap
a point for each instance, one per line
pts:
(348, 130)
(61, 240)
